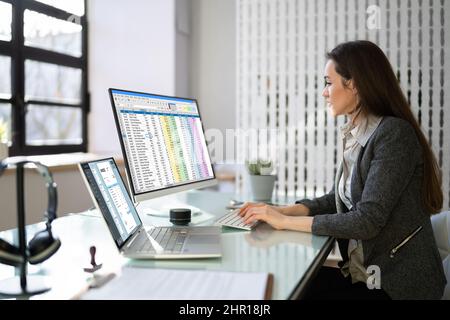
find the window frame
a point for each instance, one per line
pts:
(19, 53)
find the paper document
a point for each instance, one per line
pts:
(166, 284)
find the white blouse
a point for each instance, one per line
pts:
(354, 138)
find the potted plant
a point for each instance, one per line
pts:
(3, 139)
(262, 180)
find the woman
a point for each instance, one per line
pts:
(386, 188)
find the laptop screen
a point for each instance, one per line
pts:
(112, 198)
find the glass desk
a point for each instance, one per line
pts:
(292, 257)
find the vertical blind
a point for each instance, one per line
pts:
(281, 49)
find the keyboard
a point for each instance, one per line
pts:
(233, 220)
(171, 240)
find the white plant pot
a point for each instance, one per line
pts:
(3, 150)
(265, 171)
(262, 187)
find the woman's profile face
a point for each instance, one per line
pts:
(341, 100)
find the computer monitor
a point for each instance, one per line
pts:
(163, 143)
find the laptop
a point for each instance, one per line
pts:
(133, 240)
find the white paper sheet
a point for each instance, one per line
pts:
(166, 284)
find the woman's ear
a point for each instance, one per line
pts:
(351, 85)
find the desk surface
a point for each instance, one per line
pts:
(292, 257)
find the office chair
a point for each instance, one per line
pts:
(441, 229)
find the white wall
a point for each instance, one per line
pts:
(193, 56)
(131, 46)
(183, 36)
(213, 61)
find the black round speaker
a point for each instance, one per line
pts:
(180, 217)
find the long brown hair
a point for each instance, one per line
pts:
(380, 94)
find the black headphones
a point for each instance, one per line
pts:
(43, 245)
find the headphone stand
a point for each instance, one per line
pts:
(23, 285)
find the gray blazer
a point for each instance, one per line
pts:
(388, 215)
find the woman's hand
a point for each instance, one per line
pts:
(263, 212)
(278, 217)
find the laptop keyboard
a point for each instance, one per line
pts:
(171, 240)
(234, 220)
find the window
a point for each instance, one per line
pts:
(43, 87)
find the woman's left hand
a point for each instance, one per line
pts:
(266, 213)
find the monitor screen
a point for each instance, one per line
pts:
(162, 141)
(112, 198)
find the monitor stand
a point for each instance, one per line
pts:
(198, 216)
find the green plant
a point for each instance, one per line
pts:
(3, 130)
(259, 167)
